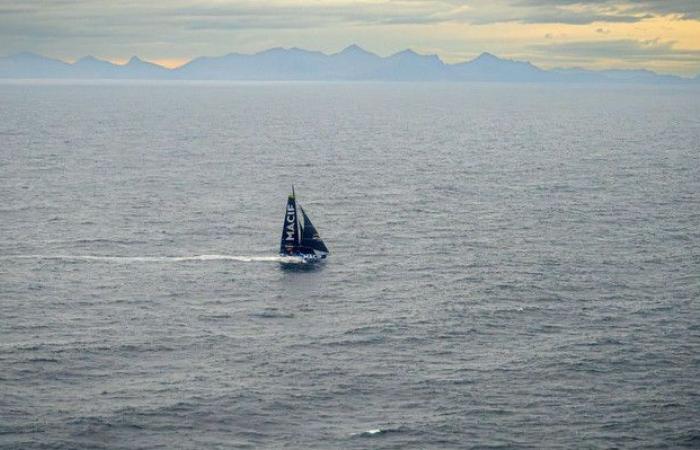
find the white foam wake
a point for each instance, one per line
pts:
(158, 259)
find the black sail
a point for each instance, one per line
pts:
(290, 228)
(310, 238)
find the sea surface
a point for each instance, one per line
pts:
(512, 266)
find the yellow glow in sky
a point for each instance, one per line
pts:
(663, 35)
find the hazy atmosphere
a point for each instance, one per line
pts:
(663, 36)
(319, 225)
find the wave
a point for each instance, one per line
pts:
(157, 259)
(377, 432)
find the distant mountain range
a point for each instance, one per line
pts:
(353, 63)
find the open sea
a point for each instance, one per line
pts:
(512, 266)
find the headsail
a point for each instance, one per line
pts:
(309, 236)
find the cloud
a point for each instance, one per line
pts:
(273, 14)
(564, 12)
(188, 28)
(632, 50)
(683, 9)
(557, 16)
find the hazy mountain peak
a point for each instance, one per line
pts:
(353, 49)
(405, 53)
(301, 50)
(137, 63)
(487, 57)
(411, 55)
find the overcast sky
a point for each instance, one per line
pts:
(662, 35)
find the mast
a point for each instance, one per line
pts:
(298, 225)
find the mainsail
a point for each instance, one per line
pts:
(290, 228)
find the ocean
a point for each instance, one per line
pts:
(512, 266)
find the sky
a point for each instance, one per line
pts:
(661, 35)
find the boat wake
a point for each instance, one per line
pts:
(157, 259)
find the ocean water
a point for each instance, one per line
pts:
(512, 266)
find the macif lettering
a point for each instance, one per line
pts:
(290, 223)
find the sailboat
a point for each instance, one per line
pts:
(300, 240)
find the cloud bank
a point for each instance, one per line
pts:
(176, 30)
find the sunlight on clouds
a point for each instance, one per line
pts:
(659, 35)
(171, 63)
(677, 38)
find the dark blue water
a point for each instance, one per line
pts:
(512, 266)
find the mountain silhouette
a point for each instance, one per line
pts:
(352, 63)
